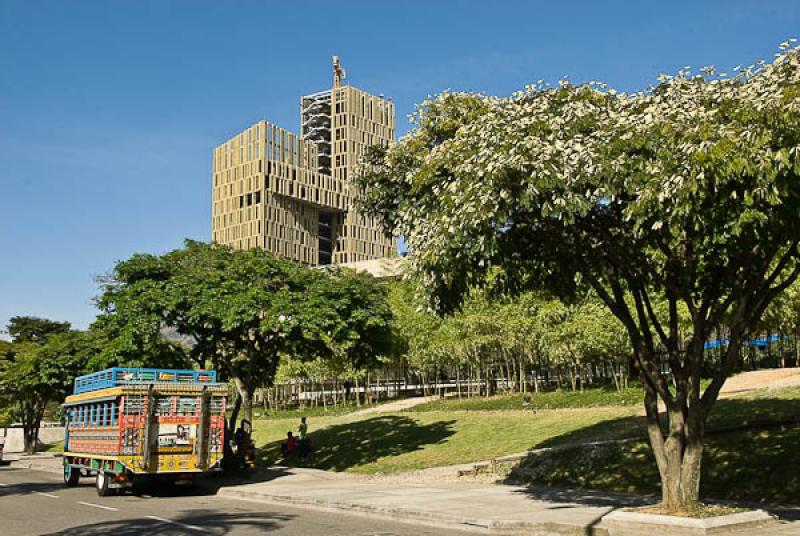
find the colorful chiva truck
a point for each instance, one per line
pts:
(123, 424)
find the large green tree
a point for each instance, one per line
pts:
(687, 192)
(241, 311)
(35, 375)
(7, 354)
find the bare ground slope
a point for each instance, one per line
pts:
(762, 379)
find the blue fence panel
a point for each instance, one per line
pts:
(761, 342)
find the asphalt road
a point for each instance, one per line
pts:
(35, 502)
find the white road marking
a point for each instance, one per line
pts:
(99, 506)
(3, 485)
(184, 525)
(46, 494)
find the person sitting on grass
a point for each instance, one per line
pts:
(289, 446)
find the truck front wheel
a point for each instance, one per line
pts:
(102, 484)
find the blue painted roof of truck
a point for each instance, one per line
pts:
(117, 376)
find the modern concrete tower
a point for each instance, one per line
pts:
(291, 194)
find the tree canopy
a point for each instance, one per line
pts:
(687, 192)
(241, 311)
(34, 329)
(34, 374)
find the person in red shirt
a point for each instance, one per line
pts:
(289, 446)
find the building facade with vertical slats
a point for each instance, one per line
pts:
(292, 195)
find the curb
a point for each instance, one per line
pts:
(626, 522)
(37, 467)
(34, 463)
(434, 519)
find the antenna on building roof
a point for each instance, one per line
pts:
(338, 72)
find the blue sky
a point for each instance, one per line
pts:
(109, 110)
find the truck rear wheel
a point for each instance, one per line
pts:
(102, 484)
(71, 476)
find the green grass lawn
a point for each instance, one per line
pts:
(590, 398)
(416, 440)
(742, 410)
(754, 465)
(57, 446)
(757, 464)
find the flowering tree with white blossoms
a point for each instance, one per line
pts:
(686, 193)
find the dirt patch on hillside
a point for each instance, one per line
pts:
(391, 407)
(762, 379)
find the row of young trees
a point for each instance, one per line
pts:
(522, 341)
(500, 343)
(493, 343)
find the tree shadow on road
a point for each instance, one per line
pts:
(207, 521)
(26, 488)
(205, 485)
(358, 443)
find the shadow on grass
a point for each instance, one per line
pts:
(207, 521)
(726, 415)
(750, 455)
(343, 446)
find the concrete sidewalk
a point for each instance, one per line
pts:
(44, 461)
(486, 508)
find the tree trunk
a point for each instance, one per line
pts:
(678, 455)
(247, 404)
(30, 434)
(245, 401)
(228, 459)
(31, 421)
(614, 377)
